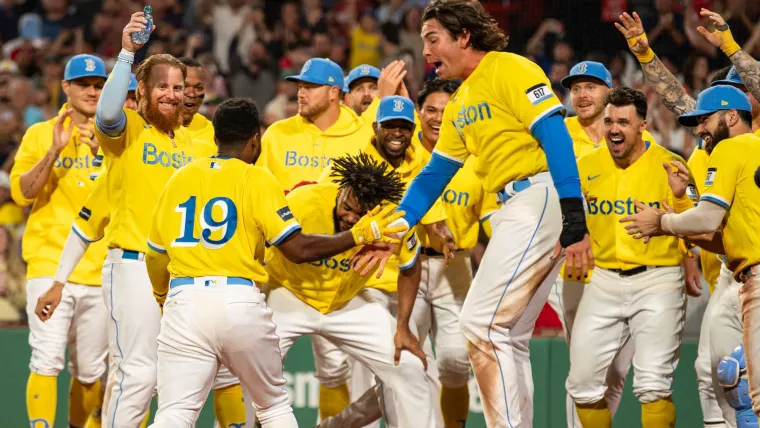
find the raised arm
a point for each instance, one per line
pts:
(110, 117)
(745, 65)
(672, 94)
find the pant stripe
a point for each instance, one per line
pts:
(490, 327)
(570, 404)
(118, 367)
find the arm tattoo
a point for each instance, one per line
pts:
(48, 161)
(749, 70)
(671, 93)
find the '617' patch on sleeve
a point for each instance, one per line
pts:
(285, 213)
(538, 93)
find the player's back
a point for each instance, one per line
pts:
(213, 216)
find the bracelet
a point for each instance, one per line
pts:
(126, 56)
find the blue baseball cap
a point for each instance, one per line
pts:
(320, 71)
(395, 107)
(84, 66)
(732, 78)
(132, 82)
(361, 72)
(716, 98)
(592, 69)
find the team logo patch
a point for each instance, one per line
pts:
(89, 65)
(306, 67)
(364, 70)
(398, 106)
(216, 165)
(538, 93)
(691, 192)
(411, 242)
(285, 213)
(711, 173)
(85, 213)
(582, 68)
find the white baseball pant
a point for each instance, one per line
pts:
(364, 328)
(647, 308)
(725, 333)
(78, 322)
(509, 290)
(134, 320)
(564, 299)
(749, 296)
(206, 326)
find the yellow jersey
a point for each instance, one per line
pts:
(615, 189)
(491, 117)
(466, 205)
(11, 214)
(730, 182)
(329, 284)
(365, 48)
(93, 218)
(295, 150)
(201, 132)
(56, 204)
(415, 158)
(583, 144)
(140, 161)
(215, 216)
(710, 261)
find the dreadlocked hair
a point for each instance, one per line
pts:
(372, 182)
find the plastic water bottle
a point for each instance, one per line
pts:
(142, 37)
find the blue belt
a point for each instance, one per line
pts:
(130, 255)
(178, 282)
(518, 186)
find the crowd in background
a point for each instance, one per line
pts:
(248, 46)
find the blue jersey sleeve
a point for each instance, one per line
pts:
(552, 133)
(427, 187)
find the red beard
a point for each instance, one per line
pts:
(159, 120)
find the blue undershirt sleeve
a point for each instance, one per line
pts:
(427, 187)
(109, 116)
(552, 133)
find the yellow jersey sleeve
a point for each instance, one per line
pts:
(528, 94)
(408, 252)
(436, 213)
(155, 242)
(272, 213)
(94, 216)
(722, 177)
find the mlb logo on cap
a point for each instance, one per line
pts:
(84, 66)
(320, 71)
(395, 107)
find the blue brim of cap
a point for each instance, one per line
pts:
(299, 78)
(567, 82)
(387, 118)
(691, 120)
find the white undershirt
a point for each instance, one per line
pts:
(705, 218)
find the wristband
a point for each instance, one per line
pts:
(647, 56)
(730, 47)
(573, 221)
(126, 56)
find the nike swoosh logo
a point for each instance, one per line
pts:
(591, 177)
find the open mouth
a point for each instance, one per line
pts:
(395, 145)
(437, 65)
(167, 106)
(617, 140)
(435, 128)
(189, 106)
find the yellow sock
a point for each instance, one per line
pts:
(41, 399)
(144, 422)
(658, 414)
(455, 405)
(77, 406)
(332, 400)
(229, 406)
(95, 405)
(595, 415)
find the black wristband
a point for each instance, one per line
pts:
(573, 221)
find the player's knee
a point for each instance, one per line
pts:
(453, 366)
(409, 371)
(473, 327)
(88, 372)
(333, 377)
(583, 386)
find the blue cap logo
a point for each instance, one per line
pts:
(714, 99)
(363, 71)
(395, 107)
(83, 65)
(320, 71)
(590, 69)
